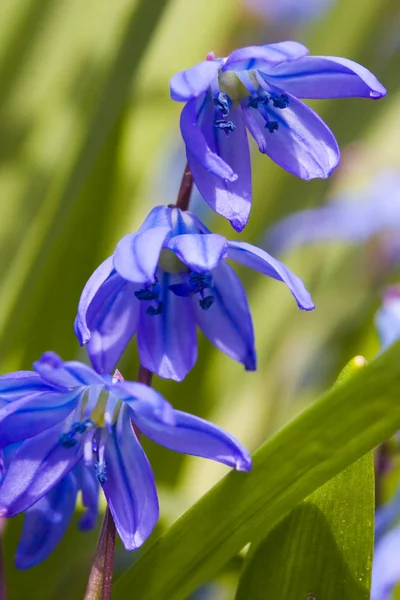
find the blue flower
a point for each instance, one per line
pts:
(387, 319)
(288, 11)
(65, 416)
(354, 217)
(163, 281)
(386, 565)
(258, 88)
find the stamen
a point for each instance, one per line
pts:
(272, 126)
(68, 440)
(88, 448)
(146, 294)
(223, 102)
(155, 310)
(101, 471)
(281, 101)
(255, 101)
(227, 126)
(206, 302)
(199, 281)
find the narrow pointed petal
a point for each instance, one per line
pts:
(303, 144)
(90, 290)
(191, 435)
(89, 487)
(167, 341)
(229, 198)
(46, 523)
(197, 145)
(264, 263)
(326, 77)
(130, 488)
(198, 251)
(259, 57)
(145, 400)
(26, 417)
(51, 368)
(227, 323)
(193, 82)
(386, 566)
(111, 320)
(21, 383)
(37, 466)
(136, 255)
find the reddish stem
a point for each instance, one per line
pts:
(145, 376)
(185, 190)
(100, 579)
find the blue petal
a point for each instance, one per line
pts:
(167, 341)
(37, 466)
(303, 144)
(143, 399)
(386, 566)
(192, 82)
(259, 57)
(197, 145)
(386, 515)
(326, 77)
(159, 216)
(387, 319)
(51, 368)
(264, 263)
(90, 290)
(89, 487)
(26, 417)
(191, 435)
(130, 489)
(230, 198)
(227, 323)
(111, 320)
(200, 252)
(19, 384)
(136, 255)
(46, 522)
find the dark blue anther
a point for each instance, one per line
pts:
(225, 125)
(223, 102)
(155, 310)
(101, 471)
(281, 101)
(255, 101)
(199, 281)
(206, 302)
(147, 294)
(81, 427)
(67, 440)
(272, 126)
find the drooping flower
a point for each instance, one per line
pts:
(258, 88)
(288, 11)
(354, 217)
(163, 281)
(64, 415)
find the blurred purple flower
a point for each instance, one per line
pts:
(163, 281)
(292, 11)
(64, 415)
(386, 565)
(387, 319)
(354, 218)
(258, 88)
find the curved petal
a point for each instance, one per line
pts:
(89, 486)
(264, 263)
(386, 566)
(159, 216)
(197, 145)
(17, 385)
(145, 400)
(112, 320)
(200, 252)
(90, 290)
(302, 144)
(167, 341)
(37, 466)
(227, 323)
(26, 417)
(129, 487)
(259, 57)
(193, 82)
(136, 255)
(229, 198)
(51, 368)
(191, 435)
(326, 77)
(46, 522)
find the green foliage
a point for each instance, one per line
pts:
(341, 427)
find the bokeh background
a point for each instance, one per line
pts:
(90, 143)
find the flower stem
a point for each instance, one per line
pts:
(3, 592)
(145, 376)
(185, 190)
(100, 579)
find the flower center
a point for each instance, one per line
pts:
(195, 283)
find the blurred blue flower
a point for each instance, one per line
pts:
(387, 319)
(354, 217)
(292, 11)
(67, 419)
(163, 281)
(258, 88)
(386, 565)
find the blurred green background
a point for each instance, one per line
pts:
(90, 142)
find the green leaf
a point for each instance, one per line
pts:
(344, 424)
(324, 547)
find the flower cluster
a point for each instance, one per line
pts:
(66, 427)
